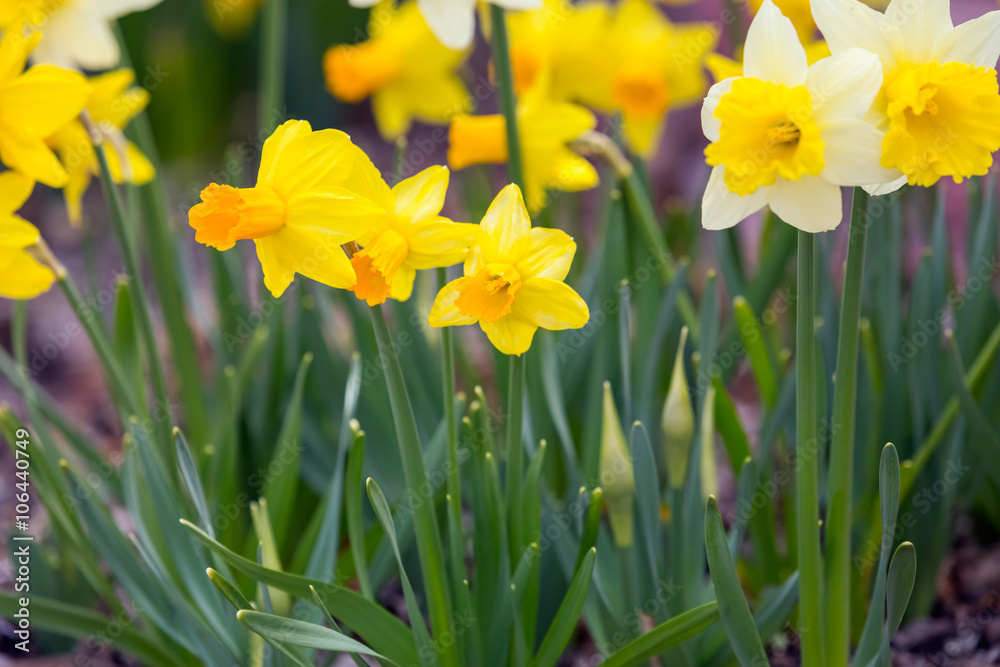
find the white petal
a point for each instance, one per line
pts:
(362, 3)
(721, 209)
(453, 22)
(844, 85)
(976, 42)
(923, 24)
(852, 150)
(773, 51)
(77, 39)
(847, 24)
(113, 9)
(711, 125)
(885, 188)
(518, 5)
(811, 203)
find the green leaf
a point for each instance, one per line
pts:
(383, 631)
(355, 521)
(902, 572)
(425, 647)
(189, 473)
(664, 636)
(568, 615)
(229, 590)
(733, 607)
(734, 438)
(762, 360)
(84, 623)
(591, 524)
(280, 492)
(300, 633)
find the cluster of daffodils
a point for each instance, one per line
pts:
(567, 60)
(905, 97)
(321, 209)
(51, 117)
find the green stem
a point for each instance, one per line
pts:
(448, 371)
(841, 482)
(642, 208)
(415, 471)
(272, 65)
(807, 458)
(505, 88)
(145, 323)
(515, 456)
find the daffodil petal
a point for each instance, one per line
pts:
(14, 191)
(847, 24)
(721, 208)
(30, 156)
(452, 21)
(75, 37)
(392, 113)
(550, 304)
(975, 42)
(17, 233)
(878, 189)
(773, 51)
(311, 162)
(852, 150)
(510, 334)
(276, 144)
(43, 99)
(711, 125)
(315, 256)
(506, 226)
(811, 203)
(844, 85)
(439, 242)
(421, 196)
(549, 255)
(922, 25)
(337, 213)
(444, 312)
(402, 282)
(24, 278)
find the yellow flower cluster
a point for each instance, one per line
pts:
(51, 116)
(318, 198)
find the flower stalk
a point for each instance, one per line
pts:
(807, 457)
(841, 483)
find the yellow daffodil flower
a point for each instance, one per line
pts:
(77, 33)
(555, 45)
(546, 129)
(21, 276)
(788, 134)
(111, 104)
(939, 102)
(33, 105)
(647, 66)
(411, 236)
(315, 192)
(453, 22)
(406, 71)
(513, 280)
(722, 67)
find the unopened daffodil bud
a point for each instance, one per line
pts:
(617, 476)
(678, 420)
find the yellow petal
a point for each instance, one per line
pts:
(14, 191)
(439, 242)
(275, 145)
(510, 334)
(402, 282)
(392, 115)
(14, 50)
(16, 233)
(112, 101)
(550, 304)
(337, 213)
(505, 226)
(550, 254)
(643, 133)
(43, 99)
(315, 256)
(24, 278)
(30, 155)
(142, 169)
(444, 312)
(422, 196)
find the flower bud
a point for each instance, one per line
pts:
(678, 420)
(617, 477)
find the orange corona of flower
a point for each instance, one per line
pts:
(513, 280)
